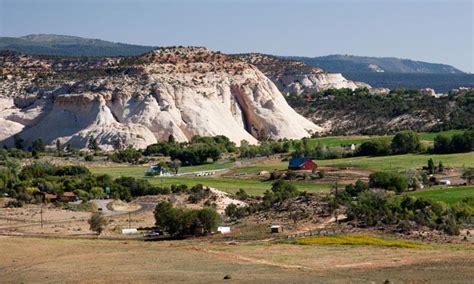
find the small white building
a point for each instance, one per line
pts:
(223, 229)
(445, 182)
(129, 231)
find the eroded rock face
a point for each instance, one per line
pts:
(295, 77)
(140, 100)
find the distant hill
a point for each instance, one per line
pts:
(47, 44)
(360, 64)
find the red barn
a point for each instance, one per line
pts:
(298, 164)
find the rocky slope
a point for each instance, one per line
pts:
(295, 77)
(139, 100)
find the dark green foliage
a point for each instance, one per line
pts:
(281, 191)
(389, 181)
(235, 212)
(431, 166)
(180, 222)
(458, 143)
(359, 187)
(128, 155)
(376, 147)
(369, 114)
(197, 152)
(265, 148)
(198, 193)
(242, 194)
(93, 145)
(38, 146)
(89, 158)
(405, 142)
(18, 141)
(70, 46)
(468, 175)
(373, 208)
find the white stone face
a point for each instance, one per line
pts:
(183, 100)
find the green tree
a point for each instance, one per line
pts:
(405, 142)
(431, 166)
(97, 223)
(440, 167)
(468, 175)
(93, 145)
(18, 141)
(38, 145)
(442, 144)
(389, 181)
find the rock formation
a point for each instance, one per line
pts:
(140, 100)
(295, 77)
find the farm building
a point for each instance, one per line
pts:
(157, 170)
(67, 196)
(276, 229)
(302, 164)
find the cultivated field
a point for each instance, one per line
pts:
(63, 260)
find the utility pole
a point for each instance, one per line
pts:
(41, 213)
(129, 220)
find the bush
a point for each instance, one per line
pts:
(14, 204)
(97, 223)
(405, 142)
(128, 155)
(376, 147)
(389, 181)
(281, 191)
(89, 158)
(180, 222)
(198, 193)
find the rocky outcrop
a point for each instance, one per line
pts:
(140, 100)
(295, 77)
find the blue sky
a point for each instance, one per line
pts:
(439, 31)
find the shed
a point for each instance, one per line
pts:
(129, 231)
(302, 164)
(223, 229)
(67, 196)
(445, 182)
(276, 229)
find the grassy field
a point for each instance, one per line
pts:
(139, 171)
(386, 163)
(336, 141)
(190, 261)
(252, 187)
(447, 195)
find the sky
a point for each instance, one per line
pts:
(439, 31)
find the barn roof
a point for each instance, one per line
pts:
(297, 162)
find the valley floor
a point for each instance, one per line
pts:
(98, 261)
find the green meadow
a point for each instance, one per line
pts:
(448, 195)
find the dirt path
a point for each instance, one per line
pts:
(238, 257)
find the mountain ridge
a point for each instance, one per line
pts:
(353, 63)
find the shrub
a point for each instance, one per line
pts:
(179, 222)
(128, 155)
(406, 142)
(97, 223)
(388, 180)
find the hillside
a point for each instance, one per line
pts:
(140, 100)
(46, 44)
(346, 112)
(361, 64)
(296, 77)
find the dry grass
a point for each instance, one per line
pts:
(203, 261)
